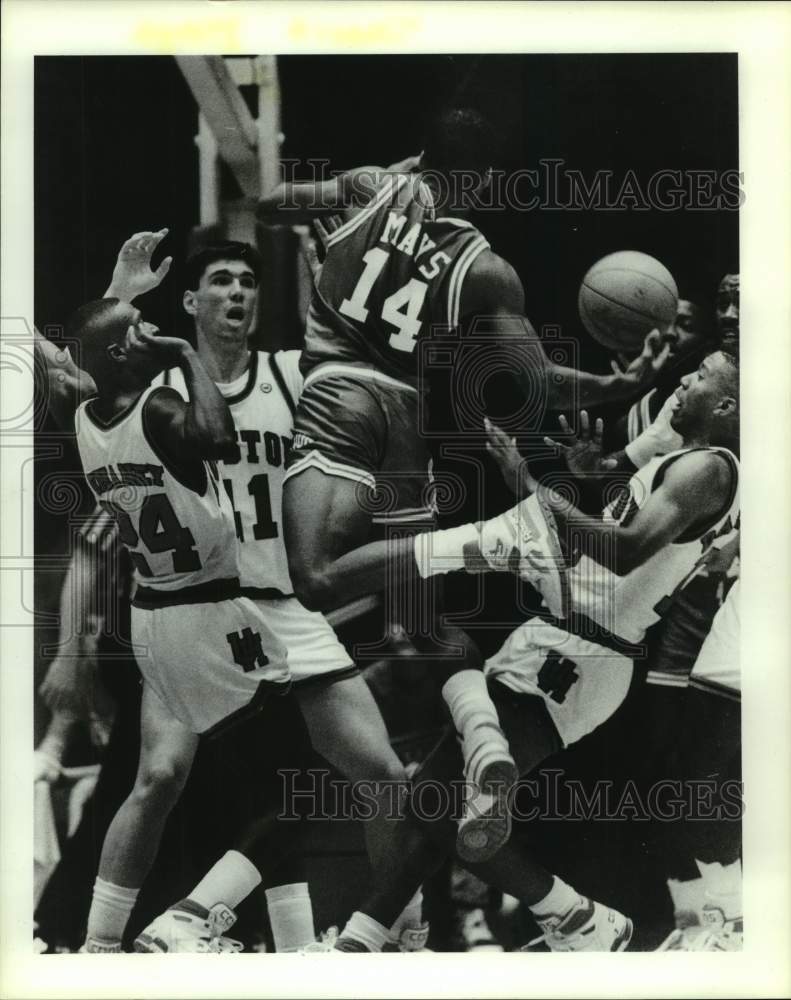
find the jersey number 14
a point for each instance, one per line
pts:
(401, 309)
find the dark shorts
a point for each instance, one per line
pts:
(361, 425)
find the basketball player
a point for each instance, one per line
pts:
(404, 264)
(658, 438)
(150, 460)
(689, 342)
(661, 704)
(343, 721)
(710, 749)
(561, 675)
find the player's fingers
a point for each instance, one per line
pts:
(163, 268)
(616, 367)
(496, 434)
(609, 463)
(564, 424)
(158, 237)
(584, 430)
(598, 431)
(661, 358)
(653, 341)
(551, 443)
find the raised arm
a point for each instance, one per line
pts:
(291, 203)
(202, 428)
(133, 275)
(693, 491)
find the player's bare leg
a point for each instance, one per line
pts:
(326, 520)
(167, 751)
(347, 729)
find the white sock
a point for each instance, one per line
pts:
(475, 719)
(366, 930)
(443, 551)
(722, 885)
(290, 916)
(110, 910)
(558, 901)
(687, 896)
(231, 880)
(411, 916)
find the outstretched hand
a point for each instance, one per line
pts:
(643, 370)
(513, 467)
(133, 275)
(583, 451)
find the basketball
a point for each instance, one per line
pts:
(623, 297)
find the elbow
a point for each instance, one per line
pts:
(271, 204)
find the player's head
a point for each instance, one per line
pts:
(687, 332)
(105, 331)
(221, 291)
(458, 149)
(727, 307)
(707, 401)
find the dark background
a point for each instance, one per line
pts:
(114, 154)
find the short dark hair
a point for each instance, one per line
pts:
(94, 328)
(459, 139)
(197, 262)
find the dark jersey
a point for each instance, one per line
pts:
(393, 274)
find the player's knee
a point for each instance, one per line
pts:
(385, 769)
(161, 781)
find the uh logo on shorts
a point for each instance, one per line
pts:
(247, 649)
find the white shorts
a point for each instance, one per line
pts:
(582, 683)
(717, 666)
(208, 661)
(314, 651)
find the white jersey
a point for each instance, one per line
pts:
(178, 526)
(262, 403)
(581, 675)
(626, 606)
(718, 668)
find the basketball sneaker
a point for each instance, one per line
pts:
(484, 827)
(93, 946)
(524, 540)
(728, 937)
(325, 942)
(190, 928)
(589, 926)
(331, 943)
(412, 938)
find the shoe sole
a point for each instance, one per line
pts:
(622, 941)
(481, 837)
(498, 777)
(147, 945)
